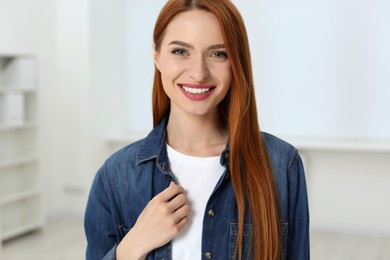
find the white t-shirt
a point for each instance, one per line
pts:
(198, 176)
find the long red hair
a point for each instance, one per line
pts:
(250, 168)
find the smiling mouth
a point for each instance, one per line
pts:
(196, 90)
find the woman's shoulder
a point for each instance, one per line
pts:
(283, 155)
(125, 155)
(277, 145)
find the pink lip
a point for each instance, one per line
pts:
(197, 97)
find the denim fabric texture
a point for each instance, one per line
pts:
(131, 177)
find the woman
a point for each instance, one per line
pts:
(205, 183)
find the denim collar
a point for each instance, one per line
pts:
(153, 146)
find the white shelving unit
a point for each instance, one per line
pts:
(21, 208)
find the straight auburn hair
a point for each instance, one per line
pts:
(250, 168)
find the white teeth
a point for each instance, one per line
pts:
(195, 90)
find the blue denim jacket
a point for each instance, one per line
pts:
(131, 177)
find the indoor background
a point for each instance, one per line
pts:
(322, 76)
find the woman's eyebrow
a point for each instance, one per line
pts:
(183, 44)
(187, 45)
(216, 46)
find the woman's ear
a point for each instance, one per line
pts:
(155, 57)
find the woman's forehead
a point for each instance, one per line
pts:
(194, 26)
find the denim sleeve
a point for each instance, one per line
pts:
(111, 255)
(298, 234)
(99, 224)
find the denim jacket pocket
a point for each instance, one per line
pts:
(233, 233)
(284, 227)
(247, 236)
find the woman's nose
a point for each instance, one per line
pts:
(198, 69)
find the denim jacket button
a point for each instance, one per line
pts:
(208, 255)
(226, 155)
(211, 213)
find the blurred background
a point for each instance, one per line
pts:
(75, 85)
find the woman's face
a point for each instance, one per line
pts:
(195, 70)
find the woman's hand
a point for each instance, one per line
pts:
(161, 220)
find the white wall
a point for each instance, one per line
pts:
(141, 67)
(109, 84)
(321, 67)
(348, 188)
(91, 58)
(73, 159)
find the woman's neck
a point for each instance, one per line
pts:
(200, 136)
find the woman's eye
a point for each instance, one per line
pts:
(179, 52)
(219, 55)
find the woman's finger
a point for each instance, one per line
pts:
(181, 213)
(181, 224)
(170, 192)
(177, 202)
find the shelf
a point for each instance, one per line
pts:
(347, 145)
(18, 161)
(21, 230)
(25, 126)
(6, 90)
(19, 196)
